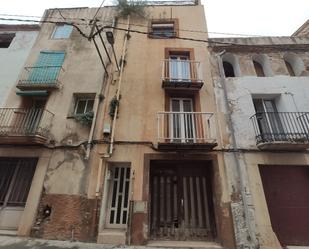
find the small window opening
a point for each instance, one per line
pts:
(83, 105)
(162, 29)
(62, 31)
(6, 40)
(228, 69)
(258, 69)
(290, 69)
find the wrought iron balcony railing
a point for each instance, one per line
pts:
(181, 74)
(41, 77)
(290, 127)
(186, 128)
(25, 122)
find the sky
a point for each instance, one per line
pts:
(261, 17)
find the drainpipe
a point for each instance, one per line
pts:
(124, 49)
(95, 113)
(244, 191)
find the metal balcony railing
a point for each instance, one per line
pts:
(281, 127)
(25, 122)
(182, 72)
(186, 127)
(41, 76)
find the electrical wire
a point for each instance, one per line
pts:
(98, 10)
(209, 41)
(139, 25)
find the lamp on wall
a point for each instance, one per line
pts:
(111, 40)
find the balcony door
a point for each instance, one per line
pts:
(47, 67)
(179, 67)
(268, 119)
(31, 117)
(182, 125)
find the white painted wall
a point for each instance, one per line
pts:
(291, 93)
(12, 60)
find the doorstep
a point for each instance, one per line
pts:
(183, 244)
(112, 236)
(8, 232)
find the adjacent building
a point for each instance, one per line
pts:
(45, 127)
(16, 42)
(261, 87)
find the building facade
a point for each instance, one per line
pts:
(45, 128)
(261, 86)
(149, 167)
(16, 42)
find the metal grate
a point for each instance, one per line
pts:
(180, 204)
(15, 180)
(119, 196)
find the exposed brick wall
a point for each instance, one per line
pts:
(71, 218)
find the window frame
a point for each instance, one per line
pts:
(78, 100)
(175, 23)
(55, 30)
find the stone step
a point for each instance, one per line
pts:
(183, 244)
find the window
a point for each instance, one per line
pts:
(228, 69)
(231, 65)
(294, 64)
(83, 105)
(289, 68)
(160, 29)
(258, 69)
(6, 39)
(179, 66)
(62, 31)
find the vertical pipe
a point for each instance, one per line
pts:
(119, 87)
(243, 190)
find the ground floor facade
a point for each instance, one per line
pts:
(139, 195)
(278, 183)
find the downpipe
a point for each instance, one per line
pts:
(244, 191)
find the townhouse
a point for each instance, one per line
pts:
(261, 87)
(16, 42)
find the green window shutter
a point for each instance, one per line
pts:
(47, 68)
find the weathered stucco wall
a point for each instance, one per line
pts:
(289, 93)
(12, 59)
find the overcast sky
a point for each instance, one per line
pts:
(260, 17)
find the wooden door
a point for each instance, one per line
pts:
(287, 196)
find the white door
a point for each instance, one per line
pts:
(182, 120)
(179, 67)
(118, 202)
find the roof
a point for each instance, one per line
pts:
(303, 30)
(19, 27)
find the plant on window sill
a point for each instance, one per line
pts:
(84, 119)
(112, 106)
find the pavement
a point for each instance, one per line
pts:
(11, 242)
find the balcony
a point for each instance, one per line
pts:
(24, 126)
(186, 131)
(40, 78)
(181, 74)
(281, 130)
